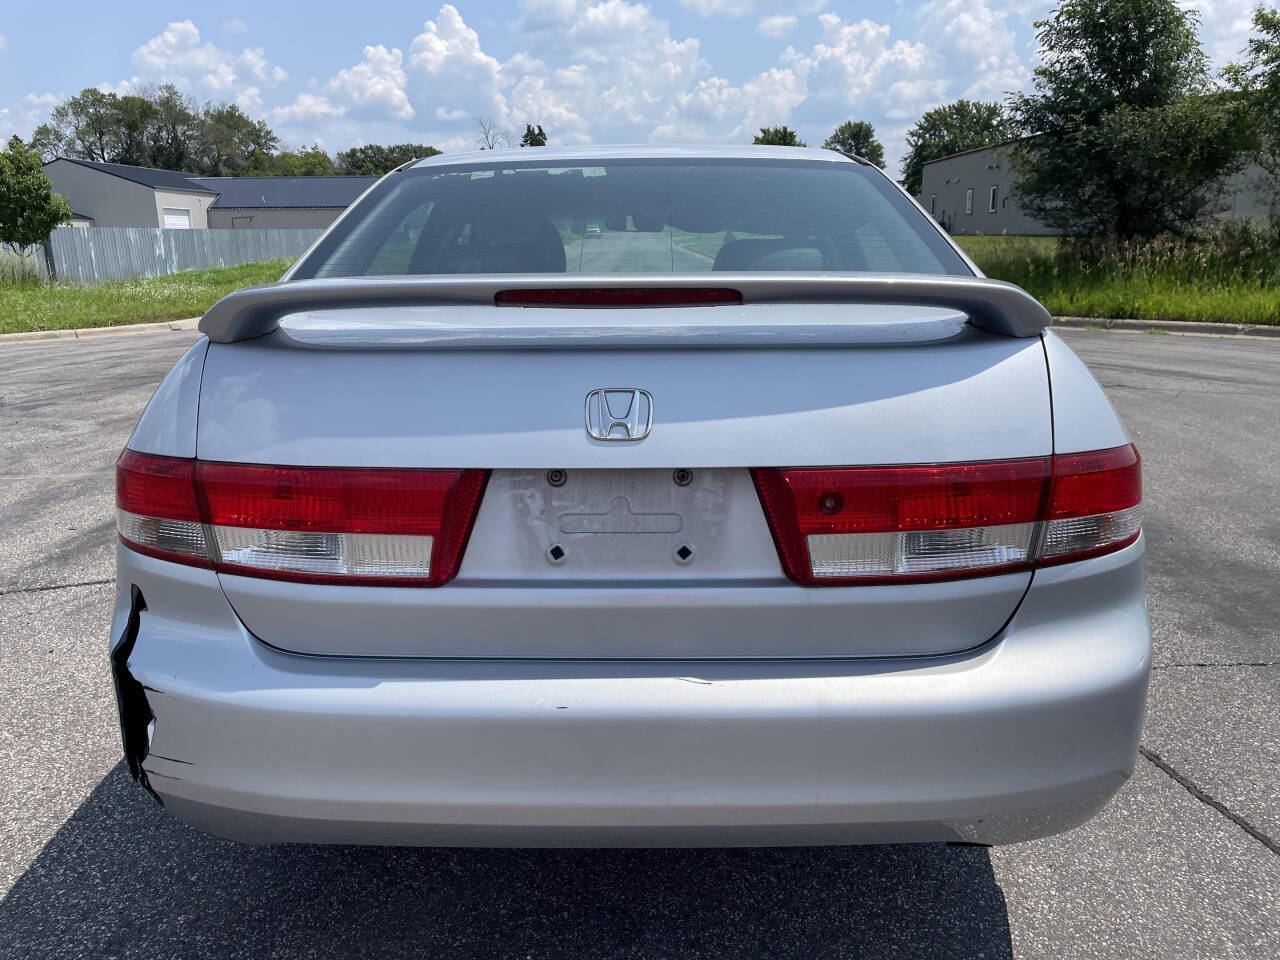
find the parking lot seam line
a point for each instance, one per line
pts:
(1204, 798)
(55, 586)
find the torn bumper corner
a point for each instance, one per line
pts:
(131, 697)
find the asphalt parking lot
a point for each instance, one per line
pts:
(1184, 863)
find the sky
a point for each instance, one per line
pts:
(589, 71)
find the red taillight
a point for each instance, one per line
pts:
(404, 527)
(1095, 507)
(947, 521)
(618, 297)
(156, 508)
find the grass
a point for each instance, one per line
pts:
(26, 304)
(1231, 275)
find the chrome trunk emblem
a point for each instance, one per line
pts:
(619, 413)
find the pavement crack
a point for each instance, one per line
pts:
(1204, 798)
(54, 586)
(1232, 663)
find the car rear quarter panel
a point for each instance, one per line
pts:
(168, 424)
(1083, 417)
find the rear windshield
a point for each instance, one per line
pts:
(632, 216)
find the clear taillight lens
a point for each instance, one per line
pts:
(919, 523)
(325, 525)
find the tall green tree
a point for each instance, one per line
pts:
(229, 143)
(858, 138)
(135, 117)
(782, 136)
(154, 127)
(29, 209)
(173, 128)
(1257, 77)
(533, 136)
(1128, 137)
(84, 126)
(958, 126)
(373, 160)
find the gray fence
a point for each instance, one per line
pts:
(94, 254)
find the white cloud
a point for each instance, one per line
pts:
(716, 110)
(1224, 26)
(776, 25)
(856, 61)
(376, 85)
(710, 8)
(253, 61)
(177, 49)
(178, 55)
(41, 102)
(448, 66)
(33, 111)
(4, 42)
(250, 100)
(981, 46)
(307, 108)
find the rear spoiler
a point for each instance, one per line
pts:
(990, 305)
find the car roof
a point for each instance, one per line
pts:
(638, 152)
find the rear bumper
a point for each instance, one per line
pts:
(1028, 736)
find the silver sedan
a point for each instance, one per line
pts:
(631, 497)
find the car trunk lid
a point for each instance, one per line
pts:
(732, 388)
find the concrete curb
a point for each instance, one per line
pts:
(88, 333)
(1088, 323)
(1171, 326)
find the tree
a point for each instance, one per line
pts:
(153, 127)
(490, 136)
(1128, 138)
(373, 160)
(309, 161)
(29, 209)
(1257, 78)
(858, 139)
(955, 127)
(533, 136)
(229, 143)
(134, 118)
(173, 127)
(782, 136)
(84, 126)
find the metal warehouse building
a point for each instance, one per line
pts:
(119, 195)
(973, 192)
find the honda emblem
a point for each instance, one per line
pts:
(619, 413)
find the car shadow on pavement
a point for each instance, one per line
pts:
(124, 878)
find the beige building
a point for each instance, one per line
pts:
(120, 195)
